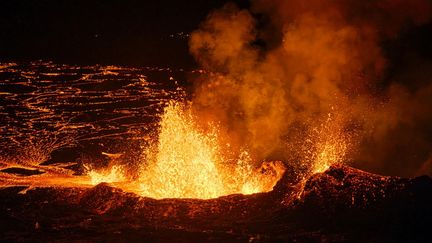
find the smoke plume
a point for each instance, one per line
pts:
(286, 74)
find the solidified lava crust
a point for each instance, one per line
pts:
(341, 204)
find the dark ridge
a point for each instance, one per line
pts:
(341, 204)
(21, 171)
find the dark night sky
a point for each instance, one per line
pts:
(128, 32)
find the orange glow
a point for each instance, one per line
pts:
(187, 162)
(329, 154)
(331, 145)
(184, 161)
(111, 175)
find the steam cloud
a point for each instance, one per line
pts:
(284, 69)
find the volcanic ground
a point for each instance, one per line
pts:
(339, 205)
(55, 116)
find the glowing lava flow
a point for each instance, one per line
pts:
(187, 162)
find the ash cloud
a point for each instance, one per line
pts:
(282, 70)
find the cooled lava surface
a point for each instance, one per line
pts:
(341, 204)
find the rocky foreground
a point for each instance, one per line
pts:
(341, 204)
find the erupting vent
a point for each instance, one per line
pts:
(187, 162)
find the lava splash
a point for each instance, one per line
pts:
(188, 162)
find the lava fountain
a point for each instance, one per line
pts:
(187, 161)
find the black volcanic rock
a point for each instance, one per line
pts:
(367, 207)
(341, 204)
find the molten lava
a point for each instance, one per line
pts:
(331, 145)
(111, 175)
(187, 162)
(187, 159)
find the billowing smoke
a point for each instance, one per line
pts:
(287, 73)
